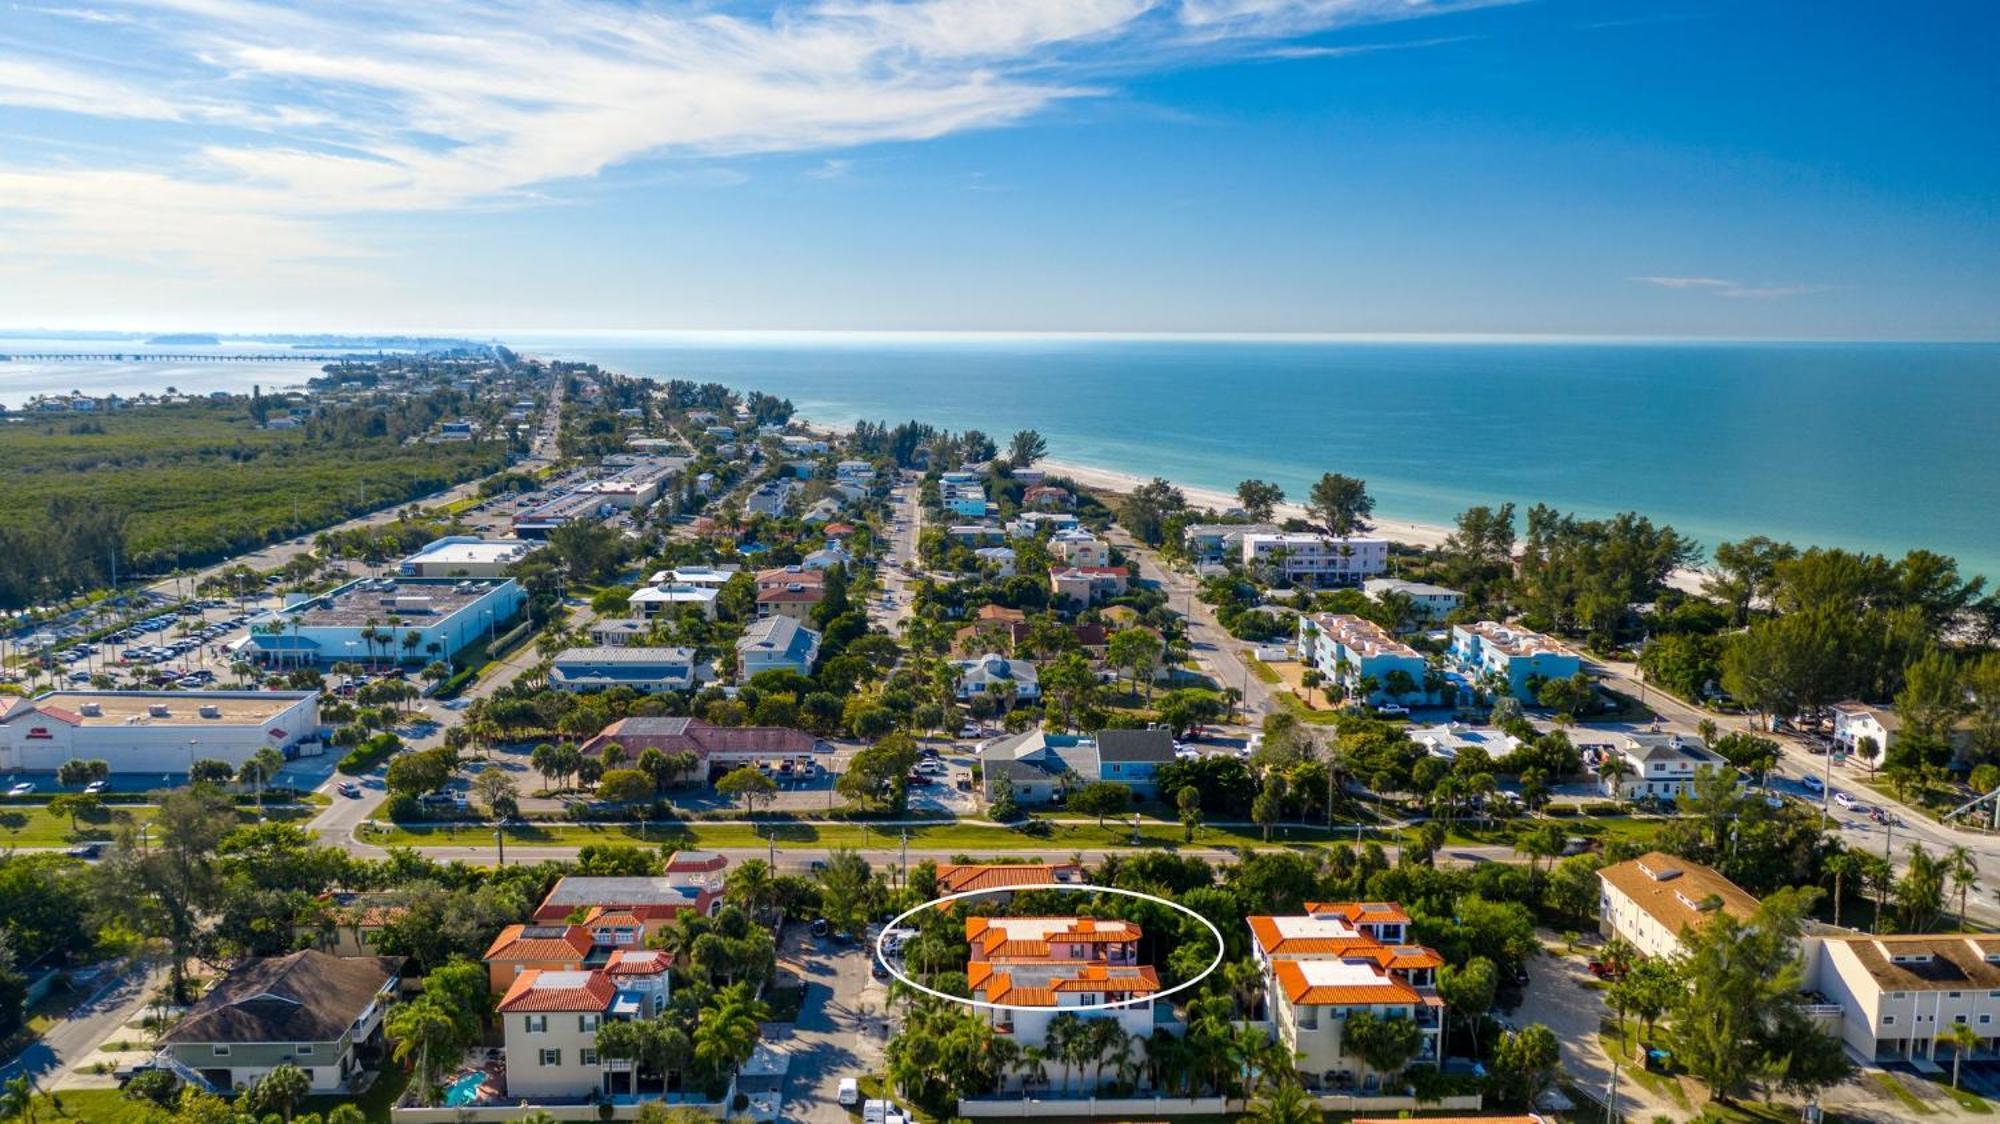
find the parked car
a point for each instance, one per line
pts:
(348, 789)
(849, 1094)
(1396, 710)
(1812, 784)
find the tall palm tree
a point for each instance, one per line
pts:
(1964, 871)
(1963, 1040)
(1061, 1037)
(1612, 769)
(1843, 865)
(425, 1033)
(1033, 1066)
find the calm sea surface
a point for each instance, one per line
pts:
(1881, 447)
(22, 379)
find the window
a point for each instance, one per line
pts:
(535, 1024)
(1888, 1020)
(1958, 1018)
(222, 1051)
(304, 1049)
(1985, 1020)
(1895, 995)
(587, 1057)
(586, 1023)
(1951, 995)
(551, 1057)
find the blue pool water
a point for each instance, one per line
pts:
(464, 1090)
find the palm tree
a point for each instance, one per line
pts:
(1843, 865)
(17, 1099)
(1105, 1038)
(1612, 770)
(283, 1087)
(426, 1032)
(1061, 1038)
(1286, 1104)
(1033, 1067)
(1964, 871)
(1963, 1040)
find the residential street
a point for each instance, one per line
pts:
(842, 1025)
(53, 1059)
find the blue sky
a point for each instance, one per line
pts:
(1636, 167)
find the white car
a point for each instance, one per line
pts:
(849, 1094)
(1395, 709)
(22, 789)
(1813, 784)
(94, 787)
(1843, 800)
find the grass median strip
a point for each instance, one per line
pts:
(1059, 837)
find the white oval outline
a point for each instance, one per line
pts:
(883, 959)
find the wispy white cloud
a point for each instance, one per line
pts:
(831, 168)
(1735, 290)
(273, 119)
(1340, 51)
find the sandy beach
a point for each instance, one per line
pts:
(1395, 530)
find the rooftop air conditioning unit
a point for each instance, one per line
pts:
(159, 710)
(90, 709)
(210, 710)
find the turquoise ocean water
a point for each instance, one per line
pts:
(1881, 447)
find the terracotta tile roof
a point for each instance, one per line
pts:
(1362, 913)
(637, 962)
(1000, 613)
(611, 918)
(992, 936)
(1673, 890)
(1273, 941)
(538, 991)
(560, 943)
(1291, 975)
(958, 878)
(1530, 1118)
(1097, 977)
(1000, 989)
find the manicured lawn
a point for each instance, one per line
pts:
(1264, 672)
(375, 1103)
(23, 825)
(969, 837)
(96, 1106)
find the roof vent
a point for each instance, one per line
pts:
(90, 709)
(210, 710)
(159, 710)
(1663, 874)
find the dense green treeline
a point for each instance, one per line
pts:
(191, 483)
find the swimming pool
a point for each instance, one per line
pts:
(464, 1089)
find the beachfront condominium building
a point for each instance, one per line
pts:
(385, 620)
(1428, 603)
(161, 732)
(1651, 900)
(1314, 561)
(1215, 544)
(465, 556)
(1039, 967)
(1895, 996)
(1333, 962)
(1362, 657)
(1510, 658)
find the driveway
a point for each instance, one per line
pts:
(841, 1027)
(1558, 998)
(53, 1059)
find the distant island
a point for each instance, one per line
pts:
(187, 339)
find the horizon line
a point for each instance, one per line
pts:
(491, 335)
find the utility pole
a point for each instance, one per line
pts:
(905, 880)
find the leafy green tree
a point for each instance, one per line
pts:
(1385, 1044)
(1340, 505)
(1738, 976)
(1101, 799)
(1524, 1064)
(427, 1038)
(170, 887)
(1259, 498)
(1026, 447)
(749, 784)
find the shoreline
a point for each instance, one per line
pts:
(1427, 536)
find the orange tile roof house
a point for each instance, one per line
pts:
(549, 1020)
(791, 591)
(520, 949)
(1335, 959)
(1037, 967)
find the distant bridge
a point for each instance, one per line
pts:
(171, 357)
